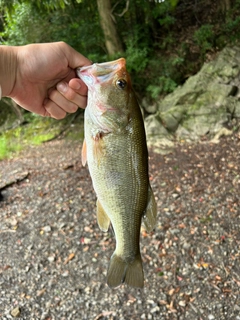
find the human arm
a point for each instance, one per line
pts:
(35, 75)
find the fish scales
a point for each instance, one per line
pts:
(117, 156)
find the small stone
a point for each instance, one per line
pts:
(211, 317)
(16, 312)
(51, 259)
(150, 302)
(47, 229)
(182, 303)
(27, 269)
(174, 231)
(155, 309)
(176, 195)
(186, 245)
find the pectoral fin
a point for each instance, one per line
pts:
(102, 218)
(150, 215)
(84, 153)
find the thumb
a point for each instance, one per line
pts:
(75, 59)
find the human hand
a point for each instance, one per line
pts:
(46, 82)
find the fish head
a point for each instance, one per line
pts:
(109, 85)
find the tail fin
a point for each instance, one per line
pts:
(121, 271)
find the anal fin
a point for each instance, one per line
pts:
(102, 218)
(150, 214)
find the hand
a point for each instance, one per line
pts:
(46, 81)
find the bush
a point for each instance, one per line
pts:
(205, 38)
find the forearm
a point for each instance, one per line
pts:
(8, 68)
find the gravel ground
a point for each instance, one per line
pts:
(54, 258)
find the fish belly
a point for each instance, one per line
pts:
(118, 166)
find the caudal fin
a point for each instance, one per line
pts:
(121, 271)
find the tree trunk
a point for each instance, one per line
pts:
(225, 6)
(112, 40)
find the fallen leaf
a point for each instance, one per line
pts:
(69, 258)
(41, 292)
(171, 291)
(103, 314)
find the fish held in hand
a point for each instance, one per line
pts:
(116, 152)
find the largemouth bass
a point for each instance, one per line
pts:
(116, 152)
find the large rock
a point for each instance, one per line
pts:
(154, 128)
(204, 104)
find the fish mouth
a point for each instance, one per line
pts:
(101, 72)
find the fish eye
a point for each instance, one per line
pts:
(121, 83)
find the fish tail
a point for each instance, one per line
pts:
(121, 271)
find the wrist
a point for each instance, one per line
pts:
(8, 69)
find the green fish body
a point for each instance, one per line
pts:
(116, 152)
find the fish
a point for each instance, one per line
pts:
(115, 150)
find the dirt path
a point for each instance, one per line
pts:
(54, 258)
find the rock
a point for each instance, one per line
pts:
(220, 133)
(149, 107)
(182, 303)
(47, 229)
(157, 135)
(237, 110)
(154, 127)
(16, 312)
(155, 309)
(203, 104)
(10, 175)
(161, 145)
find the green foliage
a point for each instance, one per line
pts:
(136, 58)
(230, 30)
(77, 24)
(167, 75)
(163, 13)
(8, 147)
(136, 55)
(204, 38)
(165, 85)
(157, 45)
(3, 147)
(23, 15)
(37, 130)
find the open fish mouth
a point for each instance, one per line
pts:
(101, 72)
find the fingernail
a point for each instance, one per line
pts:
(62, 87)
(75, 85)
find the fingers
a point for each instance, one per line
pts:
(53, 110)
(79, 86)
(67, 98)
(74, 92)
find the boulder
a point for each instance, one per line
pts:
(158, 137)
(203, 105)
